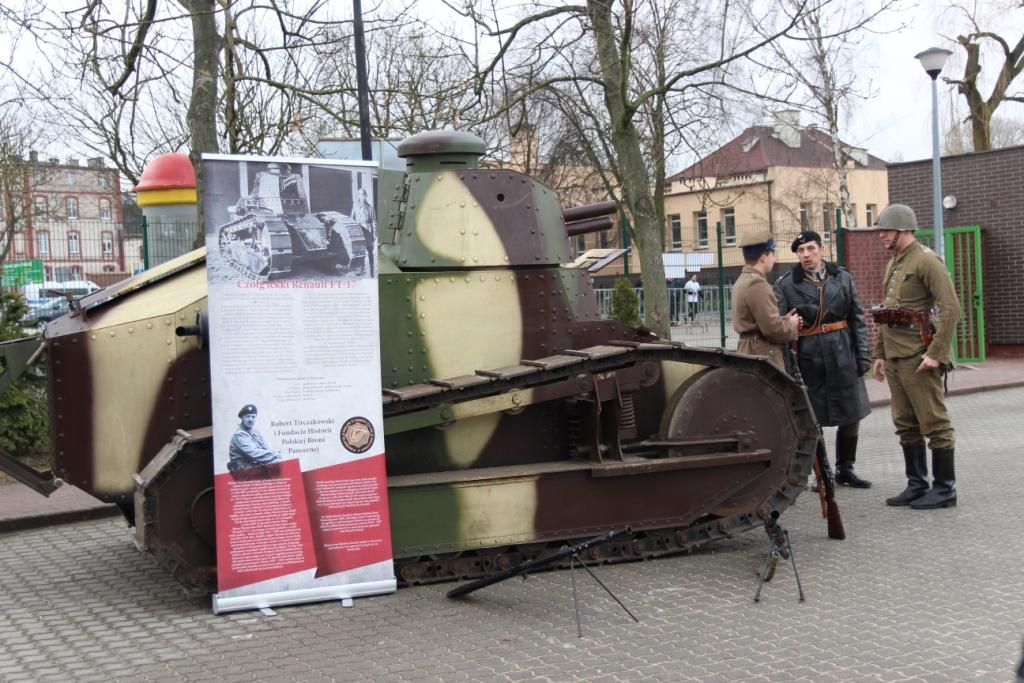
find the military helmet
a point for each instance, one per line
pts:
(897, 217)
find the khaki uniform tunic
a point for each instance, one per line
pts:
(755, 316)
(918, 280)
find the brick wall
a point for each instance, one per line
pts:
(989, 188)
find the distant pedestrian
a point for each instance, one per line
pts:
(693, 295)
(832, 350)
(912, 353)
(755, 311)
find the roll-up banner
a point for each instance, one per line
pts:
(299, 478)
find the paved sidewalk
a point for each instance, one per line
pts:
(909, 596)
(22, 508)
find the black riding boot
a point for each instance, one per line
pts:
(846, 455)
(943, 491)
(917, 474)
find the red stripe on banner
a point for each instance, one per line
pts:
(348, 506)
(263, 529)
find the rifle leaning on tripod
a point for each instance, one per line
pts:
(822, 468)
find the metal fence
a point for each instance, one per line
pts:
(702, 328)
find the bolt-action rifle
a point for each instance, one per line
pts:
(822, 469)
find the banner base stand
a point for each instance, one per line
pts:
(261, 601)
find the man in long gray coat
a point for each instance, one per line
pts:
(832, 348)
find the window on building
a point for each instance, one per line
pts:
(43, 243)
(39, 206)
(69, 177)
(76, 273)
(729, 226)
(851, 219)
(581, 244)
(73, 243)
(108, 244)
(700, 219)
(870, 211)
(675, 227)
(105, 209)
(38, 176)
(71, 206)
(19, 243)
(805, 216)
(604, 239)
(109, 269)
(828, 217)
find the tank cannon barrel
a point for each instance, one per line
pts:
(589, 225)
(579, 213)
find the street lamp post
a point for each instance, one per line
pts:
(933, 59)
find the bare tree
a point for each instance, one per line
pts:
(588, 53)
(18, 139)
(981, 46)
(818, 57)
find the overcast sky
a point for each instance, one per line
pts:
(896, 124)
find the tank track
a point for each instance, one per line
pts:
(279, 261)
(615, 355)
(198, 575)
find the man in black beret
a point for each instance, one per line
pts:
(832, 347)
(248, 447)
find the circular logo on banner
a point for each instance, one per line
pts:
(357, 435)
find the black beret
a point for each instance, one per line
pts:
(805, 237)
(247, 409)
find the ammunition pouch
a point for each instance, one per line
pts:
(904, 317)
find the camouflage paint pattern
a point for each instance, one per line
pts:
(470, 279)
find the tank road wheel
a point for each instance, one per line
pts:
(720, 402)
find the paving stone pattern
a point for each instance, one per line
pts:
(909, 596)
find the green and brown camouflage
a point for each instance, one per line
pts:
(515, 416)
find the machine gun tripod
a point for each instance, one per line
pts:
(780, 548)
(571, 552)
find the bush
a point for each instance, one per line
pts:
(625, 303)
(24, 414)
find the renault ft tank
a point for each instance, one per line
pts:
(516, 418)
(271, 230)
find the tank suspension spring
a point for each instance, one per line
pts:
(627, 415)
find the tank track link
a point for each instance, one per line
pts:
(615, 355)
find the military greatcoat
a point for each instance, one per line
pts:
(755, 316)
(832, 362)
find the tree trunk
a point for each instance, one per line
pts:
(202, 108)
(636, 181)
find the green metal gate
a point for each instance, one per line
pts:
(963, 260)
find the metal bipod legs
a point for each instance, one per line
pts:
(780, 548)
(574, 558)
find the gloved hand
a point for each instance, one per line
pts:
(863, 365)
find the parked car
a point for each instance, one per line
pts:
(42, 311)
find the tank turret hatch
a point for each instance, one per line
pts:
(438, 149)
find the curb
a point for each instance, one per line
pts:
(59, 517)
(961, 391)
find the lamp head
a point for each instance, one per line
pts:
(933, 59)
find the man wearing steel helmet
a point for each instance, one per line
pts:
(248, 447)
(832, 350)
(755, 311)
(912, 352)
